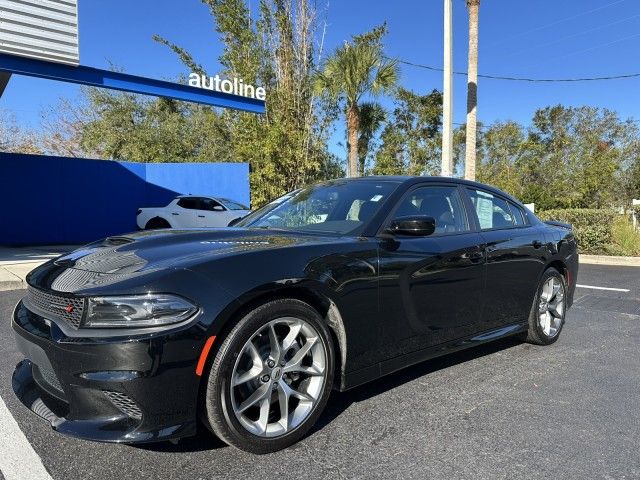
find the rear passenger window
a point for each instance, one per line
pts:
(493, 212)
(189, 203)
(518, 216)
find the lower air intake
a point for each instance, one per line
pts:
(48, 376)
(123, 403)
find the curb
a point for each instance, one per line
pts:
(610, 260)
(12, 276)
(6, 285)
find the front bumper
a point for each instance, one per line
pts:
(130, 390)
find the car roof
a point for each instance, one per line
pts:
(411, 180)
(191, 195)
(402, 179)
(205, 195)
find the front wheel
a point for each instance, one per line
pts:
(549, 309)
(271, 377)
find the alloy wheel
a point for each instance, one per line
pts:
(551, 307)
(278, 377)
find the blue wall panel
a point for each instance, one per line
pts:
(230, 180)
(58, 200)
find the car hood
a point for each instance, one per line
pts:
(153, 250)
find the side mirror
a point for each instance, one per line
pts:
(415, 226)
(234, 221)
(218, 208)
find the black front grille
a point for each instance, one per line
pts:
(67, 308)
(124, 404)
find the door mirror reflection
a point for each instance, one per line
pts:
(415, 226)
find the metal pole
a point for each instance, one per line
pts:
(447, 94)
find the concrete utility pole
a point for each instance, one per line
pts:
(472, 92)
(447, 94)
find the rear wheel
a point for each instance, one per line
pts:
(271, 378)
(157, 223)
(548, 312)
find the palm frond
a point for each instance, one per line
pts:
(387, 75)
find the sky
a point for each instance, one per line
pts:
(540, 39)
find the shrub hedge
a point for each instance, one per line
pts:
(593, 227)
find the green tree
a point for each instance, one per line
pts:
(287, 147)
(505, 148)
(570, 157)
(354, 70)
(410, 139)
(390, 157)
(129, 127)
(583, 149)
(372, 117)
(16, 139)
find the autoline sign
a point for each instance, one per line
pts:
(234, 86)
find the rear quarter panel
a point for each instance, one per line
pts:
(563, 246)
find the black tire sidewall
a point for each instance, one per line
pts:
(156, 223)
(219, 412)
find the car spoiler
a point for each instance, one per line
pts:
(553, 223)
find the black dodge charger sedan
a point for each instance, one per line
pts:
(247, 329)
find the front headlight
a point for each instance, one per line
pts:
(135, 311)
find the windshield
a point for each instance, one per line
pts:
(231, 205)
(339, 206)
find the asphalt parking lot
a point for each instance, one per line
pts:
(508, 410)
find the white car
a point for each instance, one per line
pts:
(191, 211)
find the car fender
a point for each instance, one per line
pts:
(147, 214)
(313, 292)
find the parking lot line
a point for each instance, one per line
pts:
(626, 290)
(18, 460)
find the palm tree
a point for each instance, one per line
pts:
(355, 69)
(372, 116)
(472, 91)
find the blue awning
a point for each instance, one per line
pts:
(94, 77)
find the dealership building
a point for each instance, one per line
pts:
(71, 200)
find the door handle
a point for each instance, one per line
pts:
(200, 216)
(475, 256)
(174, 213)
(536, 244)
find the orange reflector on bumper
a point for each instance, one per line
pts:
(203, 355)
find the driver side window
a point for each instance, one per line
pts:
(443, 203)
(210, 205)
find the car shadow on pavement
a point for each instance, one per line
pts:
(340, 401)
(202, 441)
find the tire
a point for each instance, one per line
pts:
(299, 389)
(554, 309)
(157, 223)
